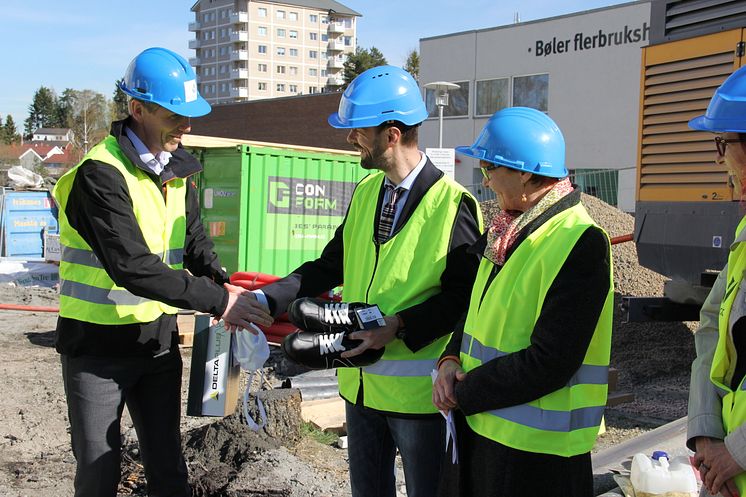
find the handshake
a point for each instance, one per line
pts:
(243, 309)
(324, 329)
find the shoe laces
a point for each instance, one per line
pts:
(337, 313)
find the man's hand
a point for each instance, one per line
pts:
(716, 466)
(444, 388)
(242, 310)
(376, 338)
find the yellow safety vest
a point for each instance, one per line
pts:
(500, 321)
(398, 274)
(87, 293)
(724, 360)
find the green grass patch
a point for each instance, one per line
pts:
(309, 430)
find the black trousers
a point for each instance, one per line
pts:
(489, 469)
(97, 389)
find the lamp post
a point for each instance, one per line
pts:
(441, 89)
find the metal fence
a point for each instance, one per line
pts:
(601, 183)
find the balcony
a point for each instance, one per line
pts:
(336, 45)
(195, 43)
(239, 55)
(194, 26)
(240, 92)
(335, 81)
(195, 61)
(336, 27)
(239, 17)
(336, 63)
(239, 36)
(239, 74)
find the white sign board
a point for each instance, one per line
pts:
(444, 159)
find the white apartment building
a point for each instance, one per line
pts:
(253, 49)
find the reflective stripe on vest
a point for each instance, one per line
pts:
(587, 373)
(398, 274)
(725, 357)
(502, 314)
(87, 292)
(88, 258)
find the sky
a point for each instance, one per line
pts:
(87, 44)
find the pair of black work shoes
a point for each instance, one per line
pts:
(324, 329)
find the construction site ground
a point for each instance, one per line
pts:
(227, 459)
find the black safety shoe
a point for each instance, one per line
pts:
(319, 315)
(322, 350)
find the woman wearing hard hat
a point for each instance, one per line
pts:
(526, 378)
(717, 396)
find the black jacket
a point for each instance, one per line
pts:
(425, 322)
(99, 207)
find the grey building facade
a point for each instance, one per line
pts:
(582, 69)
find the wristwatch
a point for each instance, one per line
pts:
(401, 331)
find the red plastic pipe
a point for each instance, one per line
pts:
(622, 239)
(30, 308)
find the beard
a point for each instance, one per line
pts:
(375, 159)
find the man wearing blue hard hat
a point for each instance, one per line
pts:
(402, 246)
(134, 251)
(716, 428)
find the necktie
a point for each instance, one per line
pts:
(388, 211)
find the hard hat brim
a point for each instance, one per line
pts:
(703, 123)
(196, 108)
(335, 122)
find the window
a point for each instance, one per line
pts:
(261, 67)
(458, 101)
(324, 72)
(348, 41)
(280, 14)
(313, 54)
(280, 87)
(280, 69)
(262, 49)
(223, 32)
(313, 18)
(223, 87)
(348, 22)
(324, 20)
(280, 33)
(531, 91)
(292, 16)
(223, 69)
(313, 89)
(324, 55)
(293, 34)
(313, 72)
(262, 12)
(293, 88)
(280, 50)
(324, 37)
(262, 86)
(491, 96)
(223, 50)
(293, 52)
(313, 36)
(262, 30)
(293, 71)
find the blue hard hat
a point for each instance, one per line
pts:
(163, 77)
(727, 109)
(380, 94)
(521, 138)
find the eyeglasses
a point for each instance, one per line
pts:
(721, 143)
(486, 169)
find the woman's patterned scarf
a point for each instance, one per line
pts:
(506, 225)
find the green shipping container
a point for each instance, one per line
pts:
(268, 208)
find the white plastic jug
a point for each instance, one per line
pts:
(660, 477)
